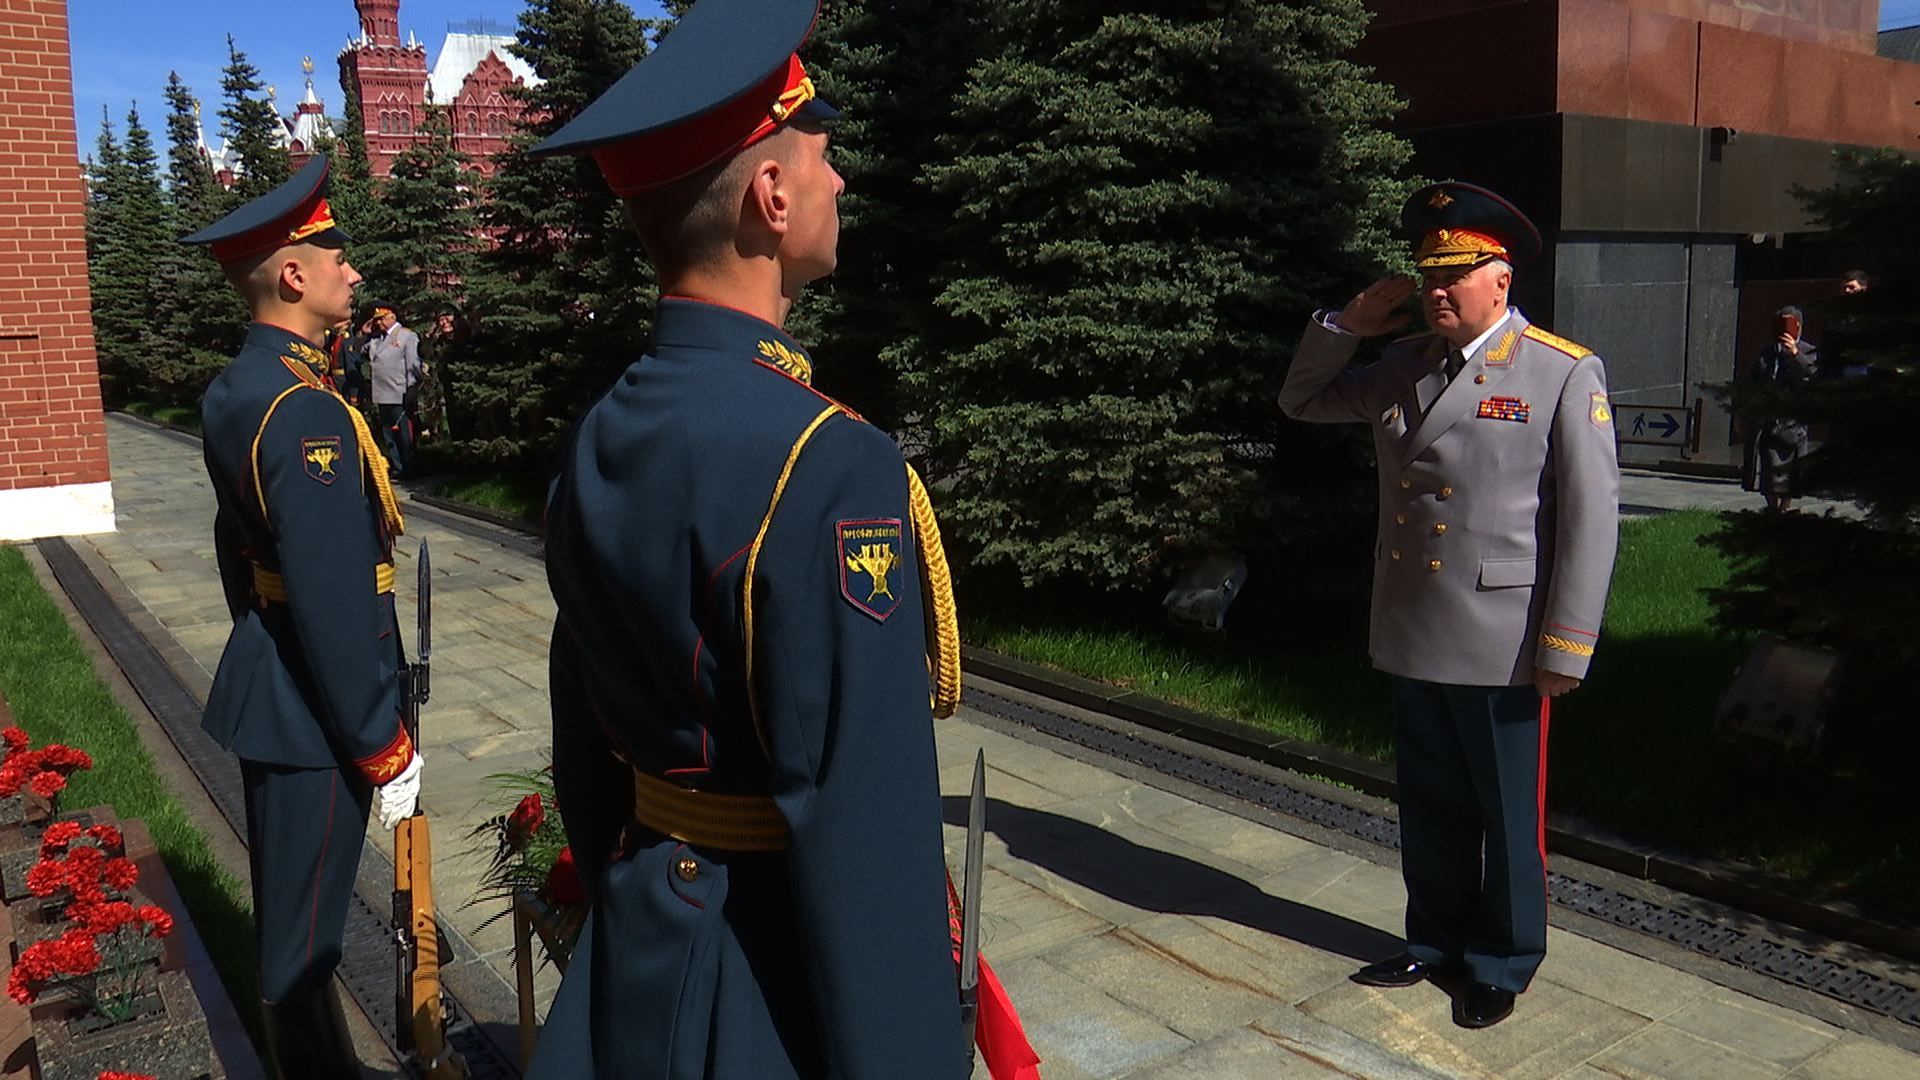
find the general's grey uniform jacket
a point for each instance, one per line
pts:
(393, 365)
(1499, 498)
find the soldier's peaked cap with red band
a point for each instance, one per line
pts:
(724, 78)
(1457, 224)
(296, 212)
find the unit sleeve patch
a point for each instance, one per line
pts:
(318, 457)
(869, 563)
(1599, 411)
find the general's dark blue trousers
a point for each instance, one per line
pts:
(1472, 765)
(305, 828)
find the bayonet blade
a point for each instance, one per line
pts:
(971, 882)
(423, 603)
(423, 624)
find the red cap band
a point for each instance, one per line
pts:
(316, 218)
(659, 157)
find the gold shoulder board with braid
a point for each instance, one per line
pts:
(1571, 348)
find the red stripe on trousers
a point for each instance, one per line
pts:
(1540, 791)
(313, 920)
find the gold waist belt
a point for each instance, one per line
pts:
(270, 586)
(709, 819)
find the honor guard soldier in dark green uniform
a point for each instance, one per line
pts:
(741, 729)
(307, 695)
(1499, 500)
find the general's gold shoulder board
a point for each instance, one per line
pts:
(1571, 348)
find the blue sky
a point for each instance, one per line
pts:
(123, 49)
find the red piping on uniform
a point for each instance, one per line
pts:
(1546, 708)
(706, 760)
(313, 921)
(699, 699)
(1573, 630)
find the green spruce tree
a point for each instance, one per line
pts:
(1147, 204)
(255, 131)
(144, 239)
(352, 195)
(1849, 581)
(201, 319)
(561, 298)
(106, 264)
(894, 68)
(424, 259)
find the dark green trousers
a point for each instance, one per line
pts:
(1472, 764)
(305, 828)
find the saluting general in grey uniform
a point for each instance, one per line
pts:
(1499, 503)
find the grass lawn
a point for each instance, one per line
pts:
(54, 695)
(1633, 749)
(172, 414)
(519, 494)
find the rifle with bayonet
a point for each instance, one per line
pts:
(420, 1017)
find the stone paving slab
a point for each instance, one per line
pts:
(1142, 934)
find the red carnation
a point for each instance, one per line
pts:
(45, 878)
(107, 837)
(104, 918)
(562, 888)
(19, 767)
(40, 963)
(159, 923)
(120, 874)
(58, 836)
(66, 758)
(14, 739)
(47, 784)
(526, 820)
(111, 1075)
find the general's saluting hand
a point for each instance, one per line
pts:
(1376, 310)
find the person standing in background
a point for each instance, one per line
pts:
(393, 367)
(1781, 442)
(1499, 518)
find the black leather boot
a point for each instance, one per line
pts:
(307, 1037)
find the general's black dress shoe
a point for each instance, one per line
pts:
(1394, 971)
(1484, 1006)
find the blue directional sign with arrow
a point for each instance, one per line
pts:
(1652, 425)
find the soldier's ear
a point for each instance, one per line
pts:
(292, 278)
(767, 197)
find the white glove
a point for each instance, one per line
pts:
(395, 800)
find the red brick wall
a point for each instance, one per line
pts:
(1798, 72)
(51, 429)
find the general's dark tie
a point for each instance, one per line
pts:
(1455, 361)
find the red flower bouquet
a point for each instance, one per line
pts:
(530, 861)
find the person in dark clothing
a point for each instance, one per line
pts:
(1781, 442)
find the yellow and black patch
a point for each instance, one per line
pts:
(869, 555)
(1598, 410)
(318, 456)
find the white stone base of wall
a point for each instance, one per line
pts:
(59, 510)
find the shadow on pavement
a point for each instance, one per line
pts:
(1161, 881)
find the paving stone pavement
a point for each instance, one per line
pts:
(1141, 933)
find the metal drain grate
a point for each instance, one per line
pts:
(366, 963)
(1754, 952)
